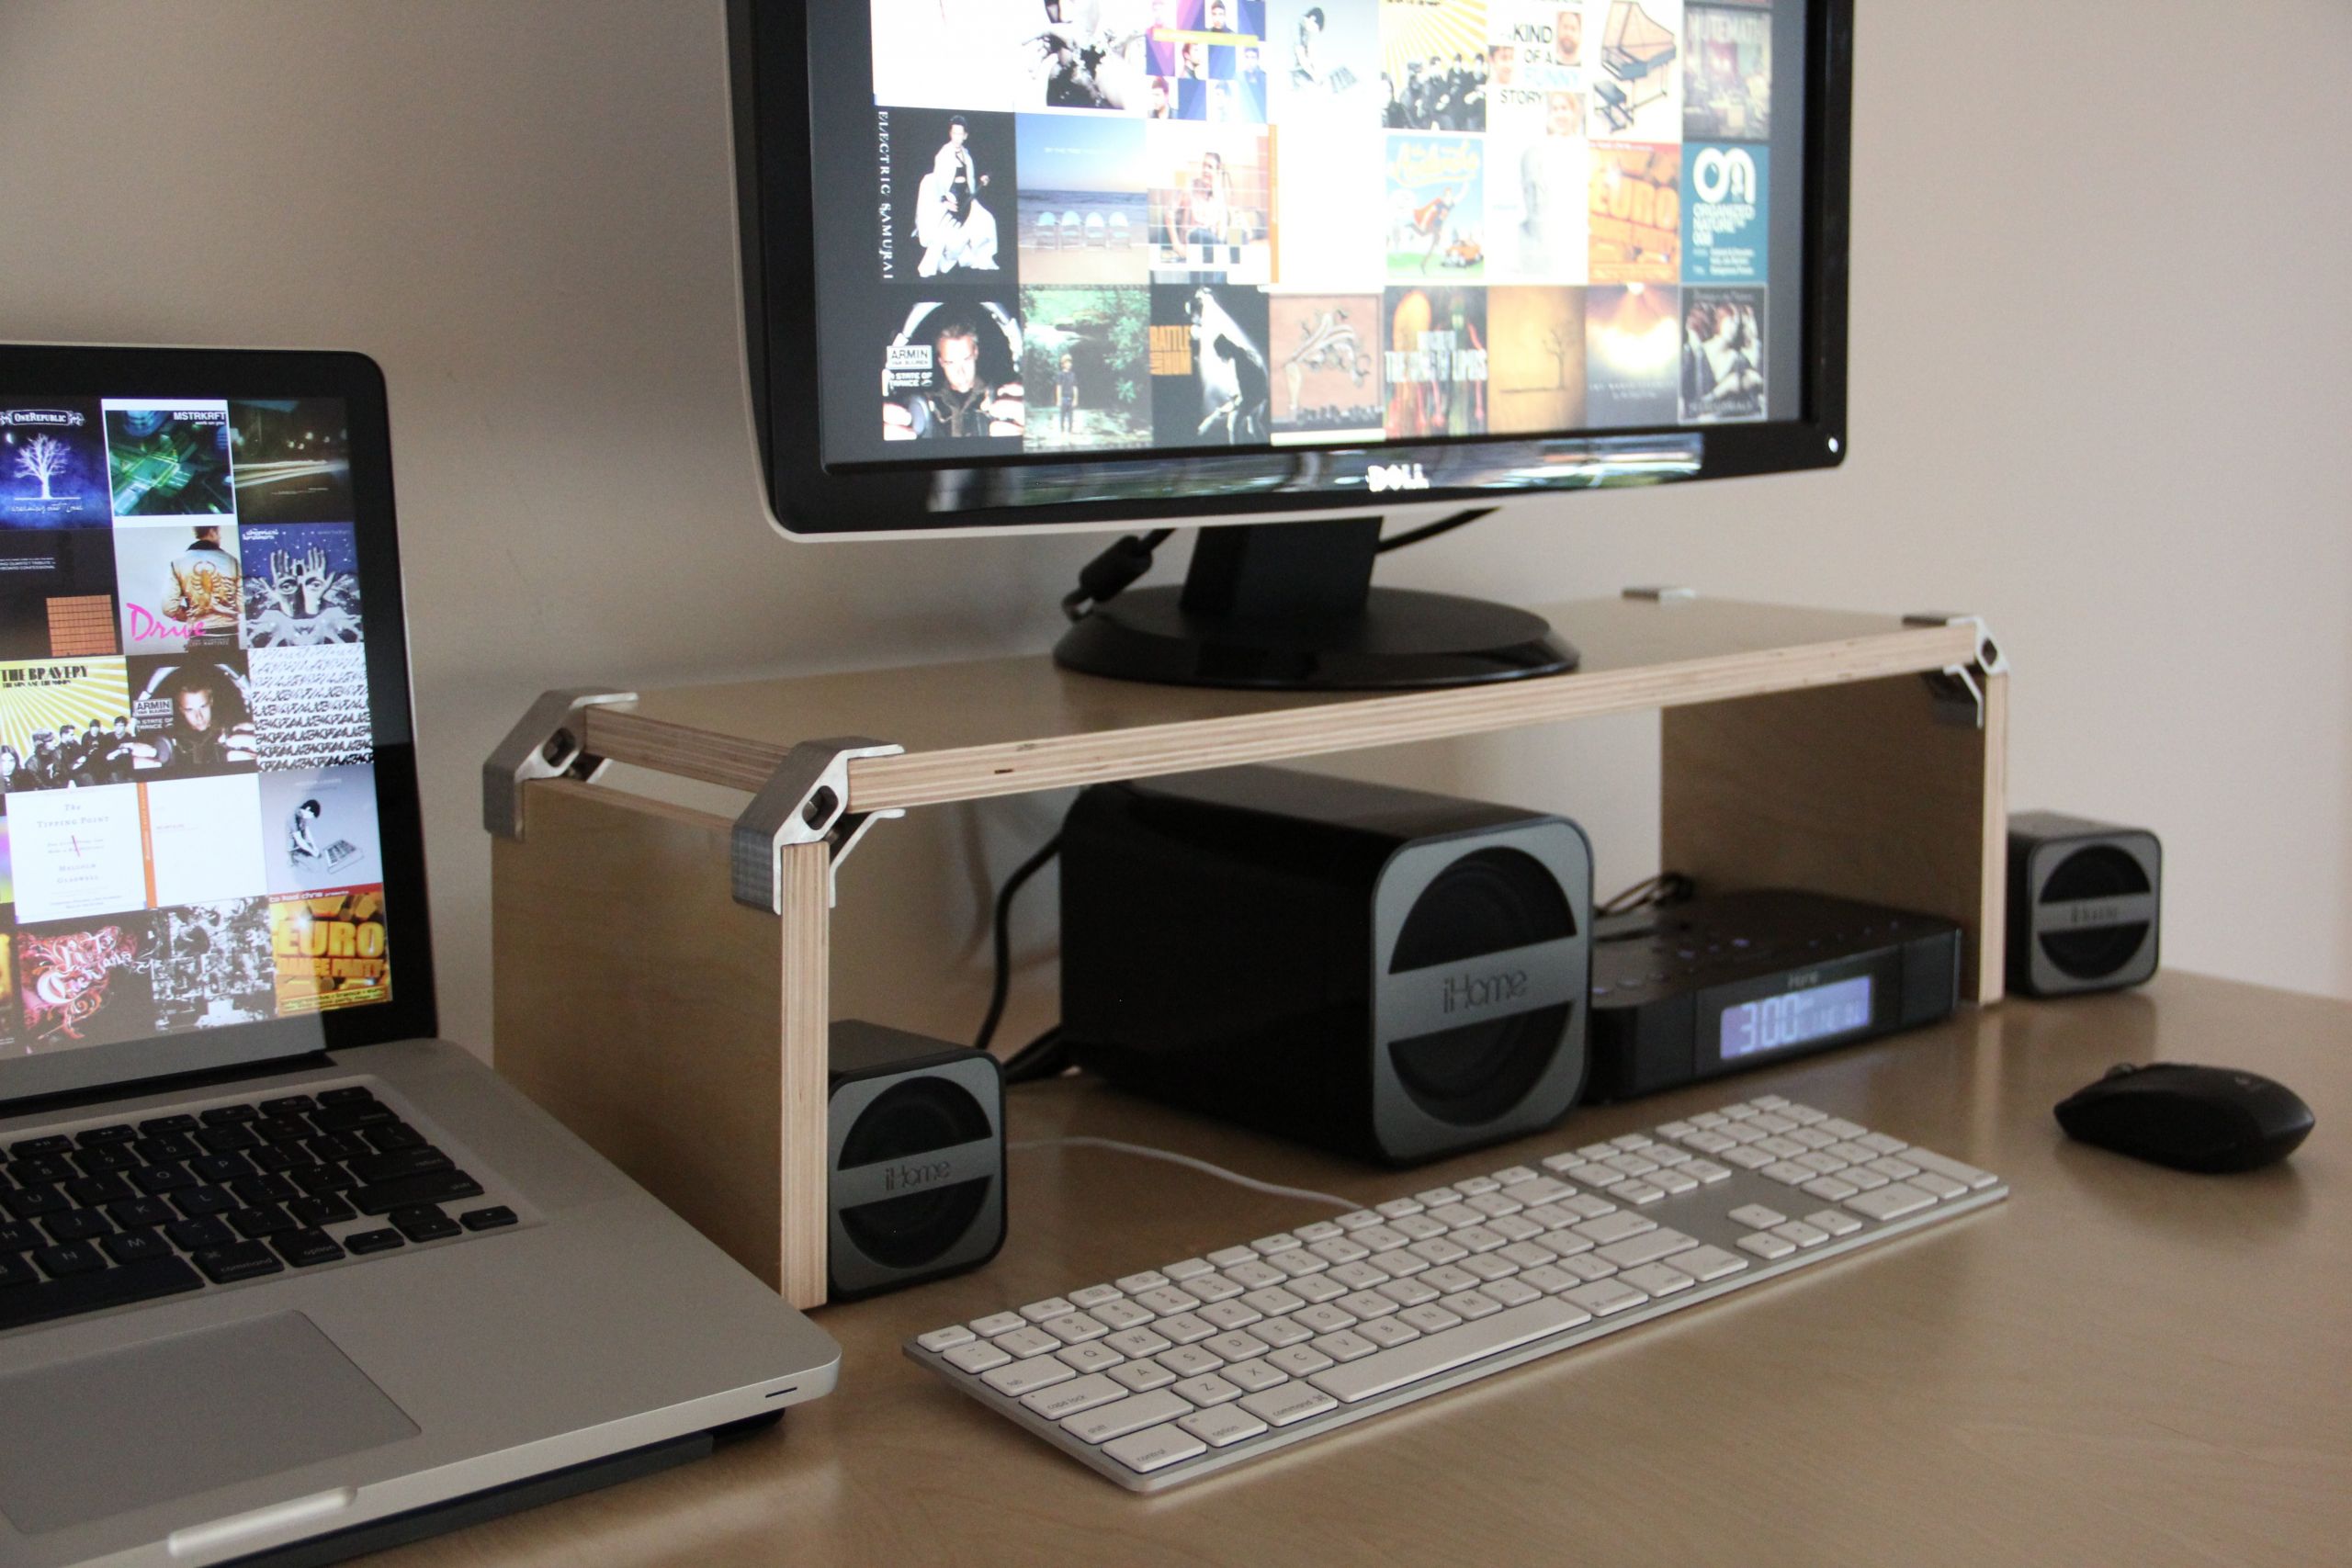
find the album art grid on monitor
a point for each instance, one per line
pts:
(189, 833)
(1132, 226)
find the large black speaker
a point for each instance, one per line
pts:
(2084, 900)
(1392, 974)
(917, 1160)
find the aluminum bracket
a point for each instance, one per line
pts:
(547, 744)
(1958, 690)
(805, 802)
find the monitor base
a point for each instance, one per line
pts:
(1290, 607)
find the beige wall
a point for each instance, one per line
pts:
(2100, 349)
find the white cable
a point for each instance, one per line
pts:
(1173, 1157)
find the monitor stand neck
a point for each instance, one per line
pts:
(1291, 606)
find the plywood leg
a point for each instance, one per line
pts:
(803, 1086)
(1859, 790)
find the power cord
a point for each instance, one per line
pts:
(1117, 569)
(1343, 1204)
(1002, 937)
(1668, 887)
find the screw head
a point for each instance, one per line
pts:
(559, 746)
(821, 808)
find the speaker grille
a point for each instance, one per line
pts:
(2098, 871)
(907, 1120)
(1489, 902)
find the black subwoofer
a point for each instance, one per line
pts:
(917, 1160)
(1395, 974)
(2083, 901)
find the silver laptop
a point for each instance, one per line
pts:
(278, 1268)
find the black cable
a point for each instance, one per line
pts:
(1442, 526)
(1044, 1058)
(1002, 987)
(1666, 889)
(1114, 572)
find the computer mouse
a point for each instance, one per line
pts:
(2201, 1119)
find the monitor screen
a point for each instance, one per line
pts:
(188, 797)
(1062, 233)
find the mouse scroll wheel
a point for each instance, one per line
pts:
(2121, 1069)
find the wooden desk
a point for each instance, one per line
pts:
(2119, 1365)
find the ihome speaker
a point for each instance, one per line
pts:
(1392, 974)
(917, 1160)
(2083, 904)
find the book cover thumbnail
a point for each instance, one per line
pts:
(52, 464)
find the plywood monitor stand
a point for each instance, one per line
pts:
(1855, 754)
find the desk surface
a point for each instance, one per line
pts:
(2119, 1364)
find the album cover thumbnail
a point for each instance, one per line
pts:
(179, 585)
(1727, 74)
(1634, 69)
(1333, 232)
(1322, 59)
(1536, 195)
(302, 583)
(951, 371)
(85, 982)
(293, 461)
(1326, 354)
(57, 593)
(945, 183)
(76, 853)
(1434, 361)
(203, 840)
(319, 828)
(1535, 79)
(1535, 352)
(12, 1013)
(1084, 216)
(1212, 196)
(1209, 382)
(169, 459)
(1726, 214)
(1633, 350)
(1723, 354)
(1433, 63)
(1091, 348)
(961, 54)
(52, 464)
(1636, 213)
(330, 950)
(310, 706)
(209, 965)
(1101, 55)
(192, 715)
(1436, 206)
(64, 722)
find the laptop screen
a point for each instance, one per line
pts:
(187, 759)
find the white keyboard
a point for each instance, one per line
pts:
(1175, 1372)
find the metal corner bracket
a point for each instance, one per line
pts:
(547, 744)
(804, 802)
(1958, 690)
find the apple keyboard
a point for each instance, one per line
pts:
(1176, 1372)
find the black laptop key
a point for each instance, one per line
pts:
(495, 1217)
(142, 1213)
(217, 1169)
(335, 1147)
(167, 1126)
(18, 1236)
(344, 1117)
(361, 1243)
(321, 1178)
(306, 1249)
(258, 1190)
(422, 1221)
(32, 1203)
(93, 1137)
(171, 1146)
(191, 1235)
(291, 1105)
(68, 1258)
(36, 1148)
(393, 1138)
(237, 1261)
(431, 1186)
(199, 1202)
(262, 1220)
(15, 1270)
(95, 1292)
(228, 1115)
(373, 1168)
(282, 1128)
(325, 1210)
(227, 1140)
(43, 1170)
(90, 1191)
(157, 1180)
(351, 1094)
(271, 1158)
(77, 1225)
(105, 1159)
(135, 1246)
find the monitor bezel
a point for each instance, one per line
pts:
(769, 44)
(47, 370)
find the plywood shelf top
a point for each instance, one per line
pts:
(1011, 725)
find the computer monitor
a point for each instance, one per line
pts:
(1023, 265)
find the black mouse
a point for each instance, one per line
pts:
(2201, 1119)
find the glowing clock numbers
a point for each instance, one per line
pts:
(1776, 1023)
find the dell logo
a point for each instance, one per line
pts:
(1471, 993)
(1396, 475)
(906, 1178)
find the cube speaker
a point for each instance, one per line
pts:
(1394, 974)
(917, 1160)
(2082, 905)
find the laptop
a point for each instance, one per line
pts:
(282, 1275)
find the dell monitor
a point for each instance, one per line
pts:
(1036, 265)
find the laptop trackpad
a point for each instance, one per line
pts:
(126, 1430)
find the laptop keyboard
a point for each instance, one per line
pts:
(128, 1212)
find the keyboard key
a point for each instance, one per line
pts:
(326, 1210)
(1837, 1221)
(1075, 1329)
(1132, 1414)
(1069, 1398)
(77, 1225)
(1386, 1332)
(68, 1258)
(941, 1340)
(306, 1249)
(1027, 1377)
(1222, 1427)
(1604, 1297)
(1891, 1202)
(1658, 1279)
(1185, 1328)
(1091, 1357)
(32, 1203)
(1230, 1315)
(135, 1246)
(1708, 1263)
(1155, 1448)
(1203, 1288)
(237, 1261)
(1756, 1216)
(1190, 1361)
(1429, 1318)
(1207, 1389)
(15, 1270)
(190, 1235)
(1455, 1345)
(362, 1243)
(349, 1094)
(1638, 1193)
(202, 1202)
(1968, 1176)
(258, 1223)
(373, 1168)
(1767, 1245)
(414, 1191)
(1939, 1186)
(1298, 1360)
(1831, 1188)
(140, 1213)
(1140, 1377)
(1286, 1407)
(424, 1222)
(996, 1323)
(1139, 1341)
(23, 1305)
(1236, 1347)
(1026, 1341)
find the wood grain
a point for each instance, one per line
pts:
(2119, 1364)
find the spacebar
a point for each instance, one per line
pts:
(1449, 1348)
